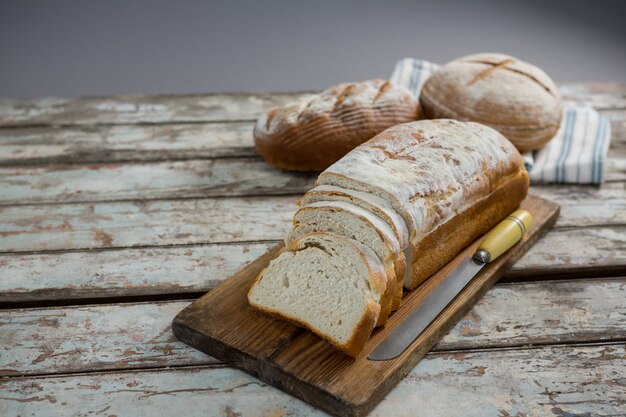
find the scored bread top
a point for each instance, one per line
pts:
(512, 96)
(316, 130)
(494, 88)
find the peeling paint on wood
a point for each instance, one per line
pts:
(170, 180)
(183, 179)
(556, 381)
(151, 271)
(78, 339)
(87, 144)
(133, 223)
(615, 166)
(573, 248)
(205, 107)
(209, 221)
(549, 312)
(602, 96)
(138, 223)
(124, 336)
(141, 109)
(135, 143)
(143, 181)
(585, 206)
(121, 273)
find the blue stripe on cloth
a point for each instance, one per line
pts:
(580, 152)
(595, 150)
(568, 138)
(543, 169)
(601, 149)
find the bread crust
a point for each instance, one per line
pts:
(354, 345)
(316, 131)
(514, 97)
(445, 242)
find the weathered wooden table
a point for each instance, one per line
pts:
(116, 212)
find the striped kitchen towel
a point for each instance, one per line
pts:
(577, 153)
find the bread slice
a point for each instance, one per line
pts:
(329, 284)
(351, 221)
(450, 181)
(374, 205)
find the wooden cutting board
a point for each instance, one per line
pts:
(223, 325)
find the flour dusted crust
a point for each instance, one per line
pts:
(316, 131)
(435, 172)
(514, 97)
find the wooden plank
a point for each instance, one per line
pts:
(167, 180)
(92, 111)
(98, 144)
(138, 335)
(615, 166)
(575, 252)
(129, 224)
(23, 277)
(308, 367)
(618, 126)
(215, 220)
(584, 206)
(591, 251)
(602, 96)
(136, 143)
(88, 338)
(147, 181)
(205, 107)
(122, 273)
(91, 144)
(558, 380)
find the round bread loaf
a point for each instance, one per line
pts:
(316, 131)
(514, 97)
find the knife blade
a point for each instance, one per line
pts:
(500, 239)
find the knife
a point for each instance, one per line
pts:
(500, 239)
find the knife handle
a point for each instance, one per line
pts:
(502, 237)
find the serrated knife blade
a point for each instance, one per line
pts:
(418, 320)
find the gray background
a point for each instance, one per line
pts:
(71, 48)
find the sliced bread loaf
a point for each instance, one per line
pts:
(349, 220)
(450, 181)
(329, 284)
